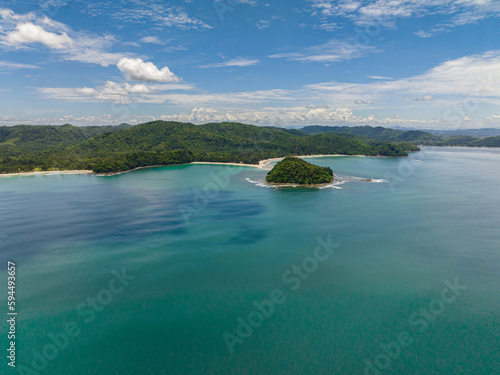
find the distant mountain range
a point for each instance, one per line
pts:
(480, 133)
(490, 138)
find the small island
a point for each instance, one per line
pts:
(292, 170)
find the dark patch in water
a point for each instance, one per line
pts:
(225, 207)
(247, 235)
(45, 218)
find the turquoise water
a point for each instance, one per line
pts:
(202, 244)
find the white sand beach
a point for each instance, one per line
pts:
(264, 164)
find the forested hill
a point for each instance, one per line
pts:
(378, 133)
(436, 138)
(21, 138)
(113, 149)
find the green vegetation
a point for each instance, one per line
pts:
(110, 149)
(377, 133)
(488, 142)
(292, 170)
(445, 138)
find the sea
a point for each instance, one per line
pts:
(204, 269)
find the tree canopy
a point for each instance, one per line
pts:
(292, 170)
(25, 148)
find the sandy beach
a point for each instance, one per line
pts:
(264, 164)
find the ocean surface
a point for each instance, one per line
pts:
(202, 269)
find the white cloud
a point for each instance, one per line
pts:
(472, 76)
(423, 34)
(287, 117)
(426, 98)
(333, 51)
(263, 24)
(385, 12)
(21, 31)
(115, 91)
(136, 69)
(240, 61)
(329, 26)
(152, 40)
(27, 33)
(14, 65)
(470, 82)
(379, 77)
(315, 106)
(112, 91)
(158, 14)
(493, 118)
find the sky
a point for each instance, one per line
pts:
(424, 64)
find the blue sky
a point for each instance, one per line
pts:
(410, 63)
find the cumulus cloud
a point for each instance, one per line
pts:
(288, 117)
(493, 118)
(21, 31)
(113, 92)
(136, 69)
(26, 33)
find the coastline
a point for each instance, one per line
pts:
(263, 164)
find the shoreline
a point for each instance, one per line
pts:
(37, 173)
(263, 164)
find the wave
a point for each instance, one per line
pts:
(372, 180)
(334, 185)
(260, 183)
